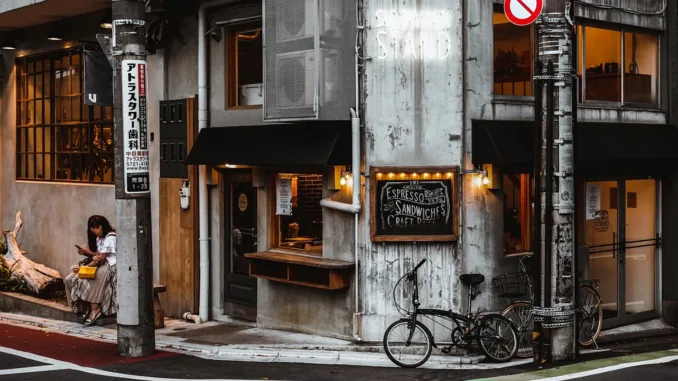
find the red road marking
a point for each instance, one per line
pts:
(530, 11)
(83, 352)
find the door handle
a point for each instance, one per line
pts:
(614, 245)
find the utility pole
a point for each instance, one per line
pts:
(554, 312)
(136, 331)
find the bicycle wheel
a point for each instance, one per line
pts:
(591, 316)
(497, 338)
(520, 314)
(408, 346)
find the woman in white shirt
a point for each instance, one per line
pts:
(98, 294)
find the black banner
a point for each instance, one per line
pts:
(414, 208)
(98, 79)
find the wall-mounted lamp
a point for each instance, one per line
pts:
(481, 178)
(346, 178)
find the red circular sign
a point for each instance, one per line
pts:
(523, 12)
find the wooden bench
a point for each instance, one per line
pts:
(158, 312)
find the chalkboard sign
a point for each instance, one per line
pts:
(414, 204)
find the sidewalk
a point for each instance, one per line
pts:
(231, 342)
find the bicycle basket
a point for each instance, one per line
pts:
(511, 285)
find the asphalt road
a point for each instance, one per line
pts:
(30, 354)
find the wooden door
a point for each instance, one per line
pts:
(179, 245)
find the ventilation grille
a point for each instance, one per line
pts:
(309, 47)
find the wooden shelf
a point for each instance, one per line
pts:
(302, 270)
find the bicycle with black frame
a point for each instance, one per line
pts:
(408, 342)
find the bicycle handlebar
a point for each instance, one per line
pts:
(419, 265)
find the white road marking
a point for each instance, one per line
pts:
(611, 368)
(63, 365)
(32, 369)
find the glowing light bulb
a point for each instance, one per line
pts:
(486, 180)
(477, 181)
(342, 181)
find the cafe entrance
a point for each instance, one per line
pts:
(240, 212)
(622, 231)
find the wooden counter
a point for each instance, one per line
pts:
(300, 269)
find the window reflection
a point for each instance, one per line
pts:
(512, 58)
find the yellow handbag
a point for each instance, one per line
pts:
(87, 272)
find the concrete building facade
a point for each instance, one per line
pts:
(443, 87)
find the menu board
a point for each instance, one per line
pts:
(415, 207)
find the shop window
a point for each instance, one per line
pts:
(607, 54)
(513, 61)
(298, 214)
(59, 138)
(245, 65)
(518, 192)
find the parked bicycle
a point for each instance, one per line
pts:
(519, 312)
(408, 342)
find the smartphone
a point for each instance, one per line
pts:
(79, 248)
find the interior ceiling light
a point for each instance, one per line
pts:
(107, 20)
(9, 43)
(54, 33)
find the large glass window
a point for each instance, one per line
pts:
(621, 66)
(59, 138)
(518, 190)
(245, 65)
(299, 216)
(513, 62)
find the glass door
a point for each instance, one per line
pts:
(602, 238)
(639, 244)
(621, 232)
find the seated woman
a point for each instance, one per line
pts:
(98, 294)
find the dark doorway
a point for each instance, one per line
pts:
(240, 299)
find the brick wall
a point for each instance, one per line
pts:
(308, 209)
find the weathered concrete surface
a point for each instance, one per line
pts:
(29, 305)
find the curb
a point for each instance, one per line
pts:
(337, 355)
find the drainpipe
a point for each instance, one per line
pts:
(203, 211)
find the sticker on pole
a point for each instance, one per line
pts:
(135, 127)
(523, 12)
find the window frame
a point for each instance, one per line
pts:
(231, 53)
(527, 230)
(276, 232)
(51, 129)
(623, 30)
(498, 8)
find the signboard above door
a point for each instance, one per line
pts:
(414, 204)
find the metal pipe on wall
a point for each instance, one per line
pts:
(203, 212)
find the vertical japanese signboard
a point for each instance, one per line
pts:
(135, 126)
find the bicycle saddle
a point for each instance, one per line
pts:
(472, 279)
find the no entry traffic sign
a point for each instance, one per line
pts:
(523, 12)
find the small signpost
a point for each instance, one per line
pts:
(523, 12)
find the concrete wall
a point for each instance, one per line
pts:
(54, 214)
(413, 115)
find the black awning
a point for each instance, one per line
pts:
(598, 146)
(508, 144)
(306, 143)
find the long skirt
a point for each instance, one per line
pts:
(100, 290)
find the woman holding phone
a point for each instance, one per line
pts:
(98, 295)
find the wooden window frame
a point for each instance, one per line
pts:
(533, 53)
(232, 64)
(454, 200)
(275, 219)
(52, 127)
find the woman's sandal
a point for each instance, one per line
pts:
(91, 321)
